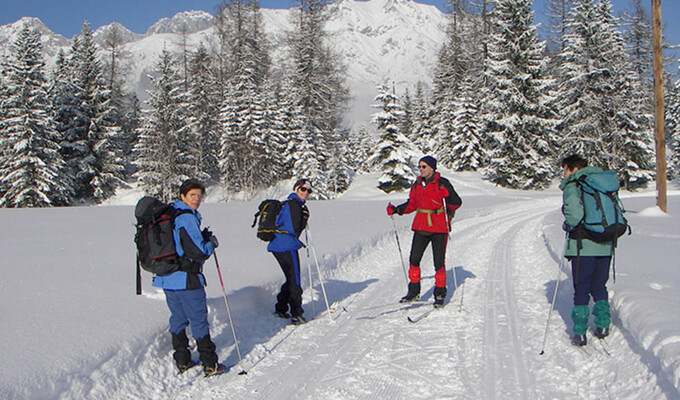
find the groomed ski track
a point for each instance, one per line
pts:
(505, 257)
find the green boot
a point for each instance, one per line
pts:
(602, 318)
(580, 316)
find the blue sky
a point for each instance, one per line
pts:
(66, 16)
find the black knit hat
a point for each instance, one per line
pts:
(429, 160)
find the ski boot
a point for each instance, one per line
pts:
(601, 333)
(439, 297)
(413, 293)
(579, 340)
(214, 370)
(298, 320)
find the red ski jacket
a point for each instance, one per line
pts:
(428, 199)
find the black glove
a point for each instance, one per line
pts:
(206, 234)
(568, 228)
(213, 241)
(305, 213)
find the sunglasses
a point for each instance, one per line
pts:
(422, 166)
(304, 189)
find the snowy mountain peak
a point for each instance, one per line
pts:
(125, 35)
(51, 41)
(192, 21)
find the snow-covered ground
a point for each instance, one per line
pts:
(74, 329)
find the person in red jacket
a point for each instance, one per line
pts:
(435, 202)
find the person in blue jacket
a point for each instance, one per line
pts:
(184, 289)
(292, 220)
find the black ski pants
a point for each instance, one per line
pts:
(418, 246)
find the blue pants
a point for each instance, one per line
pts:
(590, 275)
(188, 307)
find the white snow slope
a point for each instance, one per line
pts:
(74, 329)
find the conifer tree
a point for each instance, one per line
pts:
(244, 111)
(604, 116)
(557, 12)
(461, 149)
(393, 152)
(30, 164)
(518, 110)
(95, 162)
(160, 164)
(673, 134)
(318, 82)
(203, 119)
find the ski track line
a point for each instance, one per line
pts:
(501, 324)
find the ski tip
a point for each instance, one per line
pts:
(541, 353)
(243, 373)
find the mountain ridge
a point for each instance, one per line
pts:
(394, 42)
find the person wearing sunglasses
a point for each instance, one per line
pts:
(292, 220)
(435, 202)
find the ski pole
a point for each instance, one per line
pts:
(448, 237)
(309, 272)
(557, 284)
(318, 271)
(401, 255)
(231, 323)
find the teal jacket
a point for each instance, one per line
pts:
(572, 208)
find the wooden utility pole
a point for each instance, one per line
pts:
(658, 108)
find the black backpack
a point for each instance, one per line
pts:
(267, 211)
(154, 239)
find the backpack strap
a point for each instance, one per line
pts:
(139, 276)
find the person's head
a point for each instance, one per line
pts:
(191, 193)
(427, 166)
(302, 188)
(572, 164)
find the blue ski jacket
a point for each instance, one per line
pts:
(292, 219)
(192, 249)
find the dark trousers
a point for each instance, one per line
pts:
(590, 275)
(290, 296)
(418, 246)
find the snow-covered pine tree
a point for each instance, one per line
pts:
(30, 164)
(518, 110)
(243, 113)
(393, 151)
(121, 108)
(637, 25)
(422, 133)
(462, 150)
(98, 170)
(203, 110)
(318, 82)
(603, 113)
(283, 114)
(339, 170)
(557, 12)
(159, 149)
(363, 145)
(673, 133)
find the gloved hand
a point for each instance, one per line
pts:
(391, 209)
(568, 228)
(206, 234)
(213, 241)
(305, 212)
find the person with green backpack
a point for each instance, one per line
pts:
(594, 221)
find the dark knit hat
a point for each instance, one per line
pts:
(429, 160)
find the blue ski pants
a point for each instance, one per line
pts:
(188, 307)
